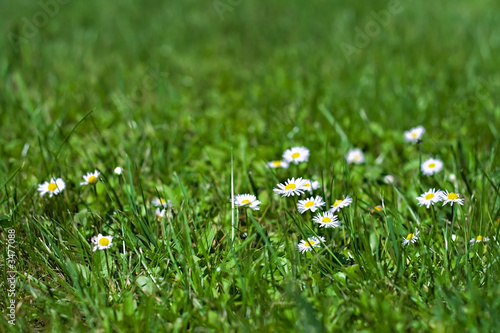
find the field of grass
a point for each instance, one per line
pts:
(192, 99)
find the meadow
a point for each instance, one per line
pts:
(191, 100)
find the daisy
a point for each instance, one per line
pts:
(291, 187)
(91, 178)
(378, 208)
(278, 164)
(341, 203)
(414, 134)
(311, 204)
(355, 156)
(479, 239)
(311, 242)
(451, 198)
(430, 197)
(311, 185)
(54, 187)
(247, 200)
(327, 220)
(118, 170)
(157, 202)
(431, 166)
(296, 155)
(160, 213)
(389, 179)
(411, 238)
(102, 242)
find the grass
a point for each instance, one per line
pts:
(171, 91)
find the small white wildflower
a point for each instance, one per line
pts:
(311, 204)
(414, 134)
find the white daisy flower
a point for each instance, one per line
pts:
(430, 197)
(341, 203)
(431, 166)
(355, 156)
(479, 239)
(452, 177)
(451, 198)
(296, 155)
(247, 200)
(311, 185)
(311, 242)
(91, 178)
(291, 187)
(327, 220)
(311, 204)
(411, 238)
(102, 242)
(278, 164)
(414, 134)
(159, 202)
(54, 187)
(118, 170)
(160, 213)
(389, 179)
(454, 237)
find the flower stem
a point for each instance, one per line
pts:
(419, 160)
(94, 187)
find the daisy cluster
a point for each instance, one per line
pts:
(325, 219)
(432, 196)
(431, 165)
(301, 186)
(315, 204)
(429, 198)
(55, 186)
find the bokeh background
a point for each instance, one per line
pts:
(258, 68)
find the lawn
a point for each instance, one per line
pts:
(192, 99)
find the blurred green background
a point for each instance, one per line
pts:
(258, 68)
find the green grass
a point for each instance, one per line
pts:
(167, 89)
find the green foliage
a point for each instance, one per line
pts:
(165, 89)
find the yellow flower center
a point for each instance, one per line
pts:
(309, 203)
(326, 220)
(432, 165)
(92, 180)
(52, 187)
(290, 187)
(378, 208)
(452, 196)
(104, 241)
(162, 201)
(295, 155)
(277, 163)
(429, 196)
(479, 238)
(309, 243)
(245, 202)
(336, 203)
(357, 157)
(307, 185)
(410, 236)
(414, 135)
